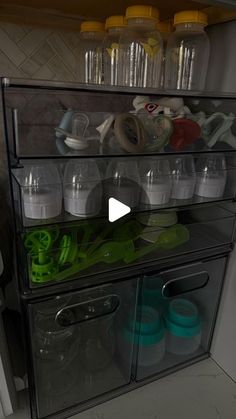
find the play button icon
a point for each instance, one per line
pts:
(117, 210)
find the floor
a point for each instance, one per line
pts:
(201, 391)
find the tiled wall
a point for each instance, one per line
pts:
(35, 53)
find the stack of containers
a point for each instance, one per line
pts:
(140, 51)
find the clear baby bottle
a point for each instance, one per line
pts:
(187, 53)
(211, 176)
(122, 181)
(183, 177)
(156, 181)
(82, 188)
(114, 26)
(41, 191)
(141, 48)
(90, 54)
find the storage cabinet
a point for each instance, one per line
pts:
(110, 305)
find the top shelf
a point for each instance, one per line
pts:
(16, 83)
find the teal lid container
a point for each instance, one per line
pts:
(182, 318)
(148, 329)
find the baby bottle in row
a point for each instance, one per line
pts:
(153, 181)
(41, 191)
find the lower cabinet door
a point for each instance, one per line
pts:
(76, 347)
(176, 316)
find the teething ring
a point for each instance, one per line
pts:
(134, 140)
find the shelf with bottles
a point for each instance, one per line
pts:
(63, 123)
(63, 252)
(47, 192)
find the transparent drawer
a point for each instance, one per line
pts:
(75, 348)
(61, 122)
(176, 316)
(47, 192)
(72, 251)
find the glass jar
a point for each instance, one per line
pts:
(141, 48)
(187, 53)
(114, 26)
(82, 188)
(156, 181)
(41, 191)
(90, 54)
(183, 177)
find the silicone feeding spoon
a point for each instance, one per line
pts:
(169, 239)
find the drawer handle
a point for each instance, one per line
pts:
(185, 284)
(88, 310)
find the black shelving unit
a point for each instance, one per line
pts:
(86, 340)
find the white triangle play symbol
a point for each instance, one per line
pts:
(116, 210)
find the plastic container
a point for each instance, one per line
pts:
(183, 177)
(90, 54)
(82, 188)
(41, 191)
(187, 53)
(148, 335)
(141, 48)
(123, 182)
(114, 26)
(183, 327)
(156, 181)
(211, 176)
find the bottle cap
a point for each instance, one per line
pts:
(191, 16)
(117, 21)
(142, 11)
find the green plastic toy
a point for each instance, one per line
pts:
(39, 243)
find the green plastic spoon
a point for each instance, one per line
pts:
(109, 252)
(169, 239)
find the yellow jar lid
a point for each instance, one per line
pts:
(92, 26)
(191, 16)
(116, 21)
(164, 27)
(142, 11)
